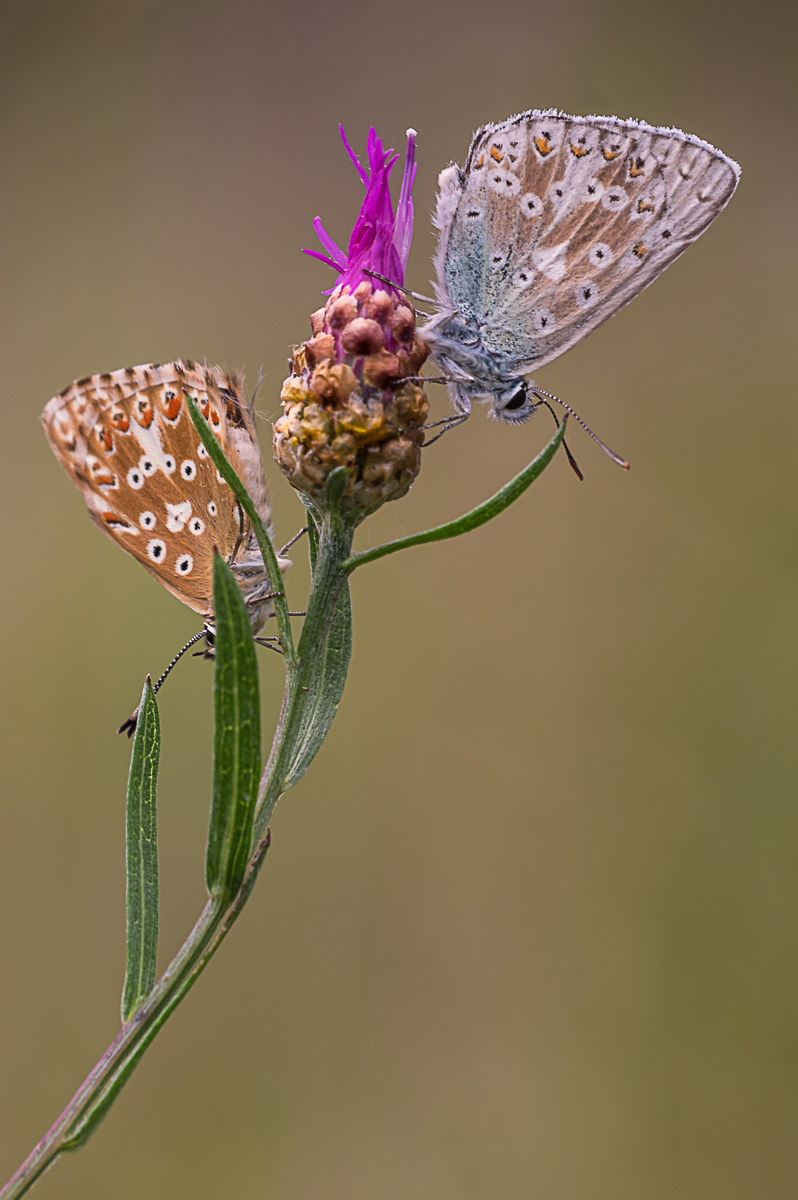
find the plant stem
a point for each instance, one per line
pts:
(297, 737)
(315, 676)
(305, 719)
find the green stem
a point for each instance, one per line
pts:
(297, 731)
(315, 675)
(300, 714)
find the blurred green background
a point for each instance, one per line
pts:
(528, 927)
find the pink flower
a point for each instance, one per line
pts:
(380, 240)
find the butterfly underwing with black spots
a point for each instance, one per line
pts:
(553, 225)
(127, 440)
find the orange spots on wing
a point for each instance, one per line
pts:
(205, 407)
(542, 144)
(143, 411)
(496, 155)
(640, 251)
(114, 521)
(215, 418)
(644, 206)
(636, 167)
(103, 477)
(120, 420)
(579, 151)
(480, 163)
(611, 152)
(171, 404)
(103, 435)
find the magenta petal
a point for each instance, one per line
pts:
(329, 245)
(361, 170)
(380, 240)
(323, 257)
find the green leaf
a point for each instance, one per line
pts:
(142, 856)
(237, 758)
(264, 541)
(324, 689)
(313, 533)
(472, 520)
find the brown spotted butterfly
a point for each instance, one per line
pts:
(128, 442)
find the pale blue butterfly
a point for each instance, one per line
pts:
(553, 225)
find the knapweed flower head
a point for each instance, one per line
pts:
(345, 404)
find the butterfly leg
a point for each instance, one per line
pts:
(397, 383)
(406, 291)
(448, 423)
(267, 642)
(291, 541)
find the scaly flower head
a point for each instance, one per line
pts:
(345, 403)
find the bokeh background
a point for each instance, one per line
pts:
(529, 925)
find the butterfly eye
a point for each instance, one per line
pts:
(184, 565)
(188, 469)
(135, 478)
(147, 520)
(516, 401)
(156, 550)
(196, 525)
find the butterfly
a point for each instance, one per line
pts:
(555, 223)
(128, 442)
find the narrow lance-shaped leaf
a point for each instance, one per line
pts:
(324, 688)
(237, 757)
(471, 520)
(142, 856)
(264, 542)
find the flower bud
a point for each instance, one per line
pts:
(349, 401)
(344, 404)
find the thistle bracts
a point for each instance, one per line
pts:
(345, 404)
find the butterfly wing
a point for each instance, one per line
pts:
(558, 221)
(127, 440)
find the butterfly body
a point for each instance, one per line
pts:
(127, 440)
(553, 225)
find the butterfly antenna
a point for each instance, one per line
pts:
(129, 726)
(572, 461)
(611, 453)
